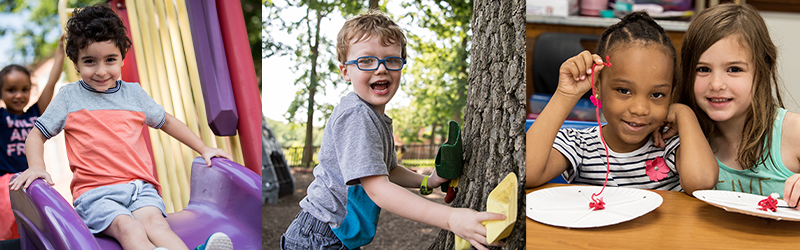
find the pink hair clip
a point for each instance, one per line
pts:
(595, 101)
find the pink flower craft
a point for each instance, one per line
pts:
(656, 169)
(599, 205)
(770, 203)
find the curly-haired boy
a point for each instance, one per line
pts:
(114, 190)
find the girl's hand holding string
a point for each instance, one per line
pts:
(575, 73)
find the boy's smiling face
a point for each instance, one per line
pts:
(99, 64)
(376, 87)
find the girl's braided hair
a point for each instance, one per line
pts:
(636, 27)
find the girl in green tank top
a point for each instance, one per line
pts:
(729, 79)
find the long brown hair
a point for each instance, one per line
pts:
(743, 22)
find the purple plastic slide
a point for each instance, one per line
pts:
(223, 119)
(225, 197)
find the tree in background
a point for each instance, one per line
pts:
(441, 63)
(315, 57)
(251, 11)
(315, 60)
(406, 122)
(437, 76)
(36, 39)
(293, 134)
(270, 46)
(494, 126)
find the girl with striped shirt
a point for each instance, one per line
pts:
(635, 92)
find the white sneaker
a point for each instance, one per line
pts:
(160, 248)
(217, 241)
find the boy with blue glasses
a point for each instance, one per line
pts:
(370, 63)
(358, 172)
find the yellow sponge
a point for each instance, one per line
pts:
(461, 244)
(502, 200)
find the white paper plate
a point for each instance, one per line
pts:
(568, 206)
(745, 203)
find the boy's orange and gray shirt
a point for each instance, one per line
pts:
(103, 133)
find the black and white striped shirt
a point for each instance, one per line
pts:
(585, 153)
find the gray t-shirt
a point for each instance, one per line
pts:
(357, 142)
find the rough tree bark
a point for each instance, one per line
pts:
(494, 126)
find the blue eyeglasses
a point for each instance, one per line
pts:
(370, 63)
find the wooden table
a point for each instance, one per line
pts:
(681, 222)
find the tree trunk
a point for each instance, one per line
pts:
(460, 92)
(308, 149)
(494, 126)
(373, 5)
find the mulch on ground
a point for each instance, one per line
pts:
(394, 232)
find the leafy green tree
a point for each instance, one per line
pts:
(441, 63)
(269, 22)
(311, 58)
(251, 11)
(494, 130)
(314, 55)
(37, 37)
(292, 134)
(407, 123)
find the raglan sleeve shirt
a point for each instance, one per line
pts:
(360, 152)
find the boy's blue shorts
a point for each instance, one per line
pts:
(307, 232)
(98, 207)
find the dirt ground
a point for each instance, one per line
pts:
(394, 232)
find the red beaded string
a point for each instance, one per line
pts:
(598, 204)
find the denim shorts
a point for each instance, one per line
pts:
(98, 207)
(307, 232)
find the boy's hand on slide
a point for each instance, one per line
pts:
(24, 180)
(466, 223)
(434, 180)
(209, 152)
(791, 191)
(574, 77)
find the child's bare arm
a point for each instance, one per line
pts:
(180, 131)
(543, 162)
(55, 73)
(790, 152)
(406, 178)
(466, 223)
(34, 147)
(694, 159)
